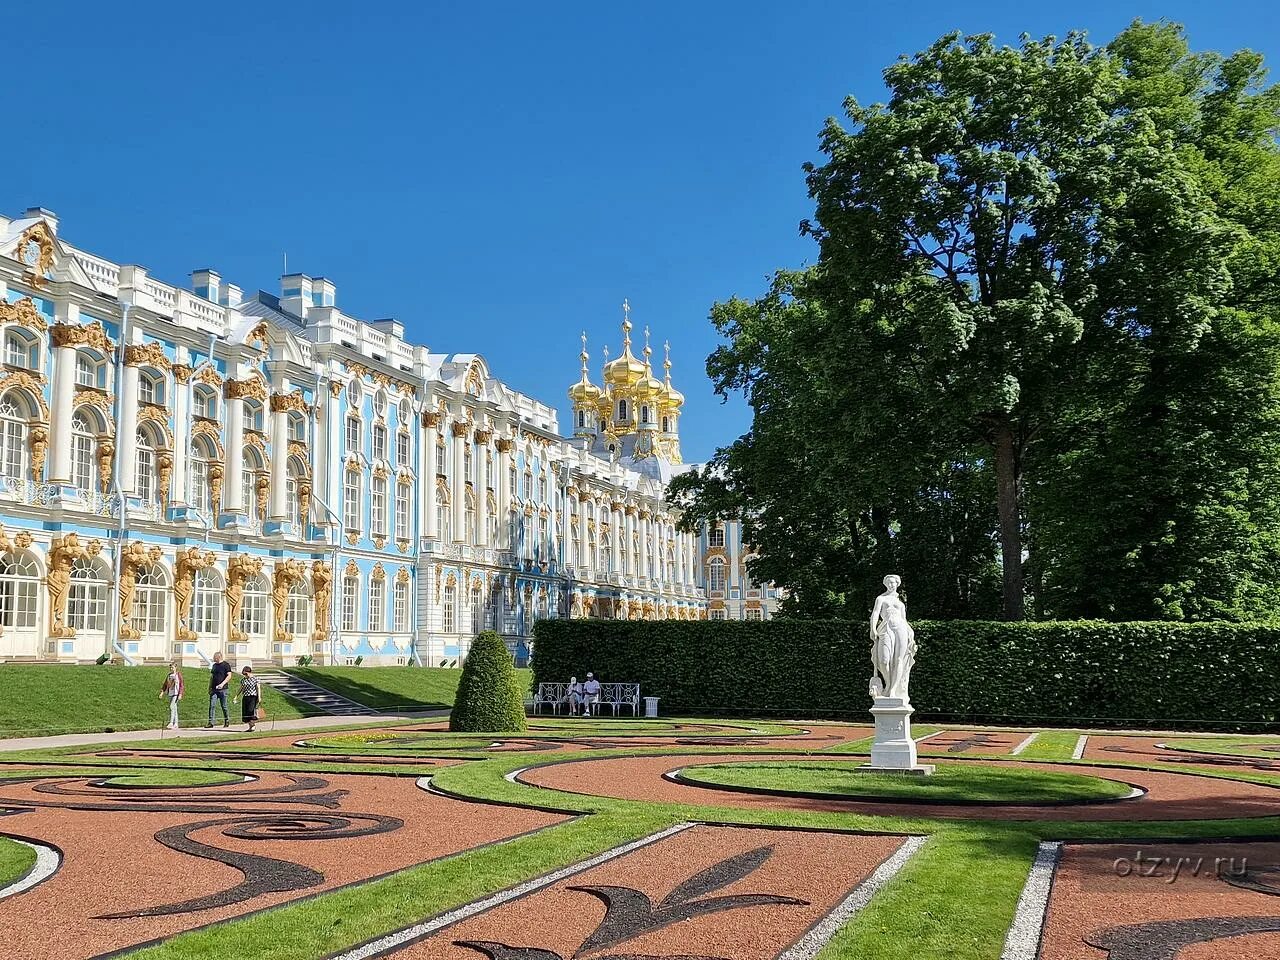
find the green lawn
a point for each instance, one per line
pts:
(1051, 745)
(393, 688)
(47, 699)
(952, 783)
(15, 861)
(1268, 747)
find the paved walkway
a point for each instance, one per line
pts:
(235, 731)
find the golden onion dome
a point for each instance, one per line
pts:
(648, 387)
(584, 391)
(626, 370)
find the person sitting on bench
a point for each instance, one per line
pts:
(574, 697)
(591, 695)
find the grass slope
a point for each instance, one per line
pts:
(48, 699)
(15, 861)
(952, 783)
(393, 688)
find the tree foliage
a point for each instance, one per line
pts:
(489, 698)
(1041, 332)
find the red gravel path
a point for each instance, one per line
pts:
(1170, 796)
(1090, 895)
(559, 919)
(112, 863)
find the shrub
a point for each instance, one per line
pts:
(1077, 672)
(488, 698)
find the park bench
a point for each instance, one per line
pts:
(615, 696)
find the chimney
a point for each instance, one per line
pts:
(40, 213)
(295, 294)
(206, 284)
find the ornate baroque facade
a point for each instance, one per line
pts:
(188, 471)
(731, 592)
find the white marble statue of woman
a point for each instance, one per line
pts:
(893, 643)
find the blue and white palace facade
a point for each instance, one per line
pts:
(185, 471)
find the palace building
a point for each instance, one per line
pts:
(184, 471)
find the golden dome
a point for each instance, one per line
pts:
(672, 399)
(648, 387)
(626, 370)
(584, 391)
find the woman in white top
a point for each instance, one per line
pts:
(173, 688)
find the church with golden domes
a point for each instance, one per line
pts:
(634, 418)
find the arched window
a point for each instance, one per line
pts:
(87, 597)
(21, 349)
(204, 402)
(150, 387)
(19, 591)
(353, 434)
(622, 409)
(378, 507)
(297, 427)
(254, 417)
(84, 452)
(575, 549)
(145, 481)
(380, 403)
(589, 561)
(542, 488)
(606, 549)
(469, 515)
(377, 604)
(351, 501)
(477, 608)
(297, 610)
(444, 515)
(253, 608)
(91, 371)
(582, 419)
(15, 412)
(400, 607)
(206, 603)
(449, 609)
(203, 456)
(350, 600)
(379, 435)
(644, 413)
(715, 575)
(249, 472)
(492, 519)
(666, 424)
(150, 595)
(440, 457)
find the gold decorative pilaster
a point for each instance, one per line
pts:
(186, 564)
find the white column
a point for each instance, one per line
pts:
(127, 428)
(458, 489)
(553, 523)
(566, 530)
(644, 547)
(628, 531)
(431, 436)
(232, 487)
(585, 560)
(481, 455)
(328, 465)
(181, 441)
(279, 457)
(64, 388)
(504, 494)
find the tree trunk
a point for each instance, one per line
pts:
(1010, 521)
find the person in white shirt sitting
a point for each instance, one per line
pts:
(575, 696)
(591, 695)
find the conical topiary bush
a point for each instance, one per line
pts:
(489, 698)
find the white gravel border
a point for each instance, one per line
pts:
(1023, 745)
(928, 735)
(1078, 752)
(808, 946)
(1023, 939)
(402, 937)
(48, 860)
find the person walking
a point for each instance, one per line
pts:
(173, 688)
(219, 681)
(249, 697)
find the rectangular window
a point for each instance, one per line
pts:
(144, 468)
(449, 611)
(402, 449)
(206, 606)
(351, 501)
(400, 622)
(718, 615)
(379, 442)
(82, 462)
(716, 538)
(402, 511)
(378, 507)
(440, 459)
(87, 606)
(297, 615)
(377, 605)
(86, 372)
(350, 592)
(753, 613)
(253, 613)
(353, 435)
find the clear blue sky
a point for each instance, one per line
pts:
(497, 176)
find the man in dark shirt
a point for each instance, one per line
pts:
(219, 681)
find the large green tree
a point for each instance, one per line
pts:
(1029, 260)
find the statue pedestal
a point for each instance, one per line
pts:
(894, 750)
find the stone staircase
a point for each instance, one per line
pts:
(313, 696)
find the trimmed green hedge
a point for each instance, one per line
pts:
(488, 698)
(1062, 673)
